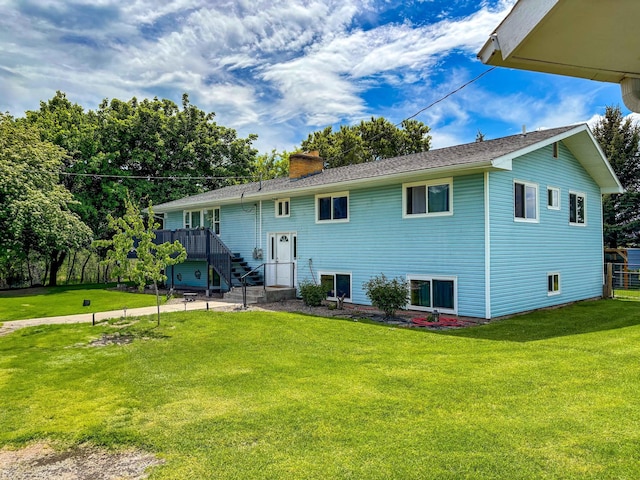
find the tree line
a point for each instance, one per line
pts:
(66, 170)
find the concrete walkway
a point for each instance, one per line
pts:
(12, 325)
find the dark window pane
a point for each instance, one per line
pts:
(443, 294)
(324, 208)
(438, 198)
(519, 200)
(421, 293)
(343, 285)
(340, 208)
(327, 282)
(572, 207)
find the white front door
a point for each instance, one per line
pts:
(280, 267)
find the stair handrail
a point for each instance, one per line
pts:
(223, 270)
(243, 279)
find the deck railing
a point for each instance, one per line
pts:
(201, 244)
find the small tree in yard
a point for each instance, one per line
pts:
(134, 236)
(387, 295)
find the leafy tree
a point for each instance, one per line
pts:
(270, 165)
(620, 141)
(35, 216)
(121, 149)
(368, 141)
(133, 253)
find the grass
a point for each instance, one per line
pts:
(67, 300)
(554, 394)
(627, 294)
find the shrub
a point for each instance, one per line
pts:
(311, 293)
(387, 295)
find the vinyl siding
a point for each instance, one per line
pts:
(187, 270)
(523, 253)
(378, 240)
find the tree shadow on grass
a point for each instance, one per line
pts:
(575, 319)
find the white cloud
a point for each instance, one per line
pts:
(277, 68)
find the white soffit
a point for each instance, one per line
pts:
(592, 39)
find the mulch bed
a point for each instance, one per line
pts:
(403, 318)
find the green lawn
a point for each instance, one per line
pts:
(255, 395)
(627, 294)
(67, 300)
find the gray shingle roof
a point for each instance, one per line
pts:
(469, 154)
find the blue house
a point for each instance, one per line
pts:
(484, 230)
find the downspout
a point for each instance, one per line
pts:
(487, 249)
(260, 230)
(631, 93)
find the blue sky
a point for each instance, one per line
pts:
(285, 69)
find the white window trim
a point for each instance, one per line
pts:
(277, 203)
(551, 293)
(214, 217)
(191, 212)
(346, 299)
(429, 183)
(513, 201)
(431, 278)
(554, 207)
(584, 196)
(332, 196)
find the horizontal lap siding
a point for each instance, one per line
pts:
(173, 220)
(187, 270)
(523, 253)
(378, 240)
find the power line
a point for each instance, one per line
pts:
(453, 92)
(150, 177)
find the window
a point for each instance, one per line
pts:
(432, 293)
(422, 199)
(332, 208)
(577, 208)
(192, 218)
(553, 198)
(553, 283)
(212, 219)
(525, 202)
(282, 207)
(336, 285)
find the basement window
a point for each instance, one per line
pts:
(336, 285)
(553, 283)
(430, 293)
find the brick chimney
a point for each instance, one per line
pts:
(305, 164)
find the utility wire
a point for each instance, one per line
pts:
(148, 177)
(453, 92)
(175, 177)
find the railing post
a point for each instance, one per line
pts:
(244, 293)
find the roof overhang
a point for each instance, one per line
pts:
(585, 148)
(591, 39)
